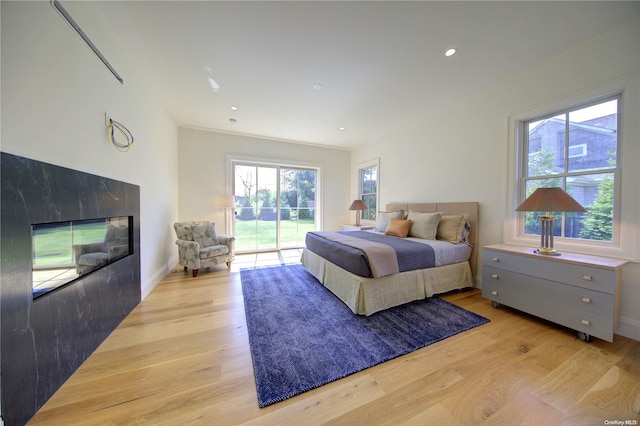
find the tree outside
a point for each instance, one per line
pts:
(598, 221)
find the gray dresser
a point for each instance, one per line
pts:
(578, 291)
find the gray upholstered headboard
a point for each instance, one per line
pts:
(470, 208)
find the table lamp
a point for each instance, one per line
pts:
(358, 206)
(549, 200)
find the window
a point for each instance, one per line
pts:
(368, 180)
(575, 149)
(578, 150)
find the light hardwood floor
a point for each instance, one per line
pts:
(182, 358)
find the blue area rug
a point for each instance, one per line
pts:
(303, 337)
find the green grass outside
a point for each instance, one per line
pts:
(292, 234)
(52, 246)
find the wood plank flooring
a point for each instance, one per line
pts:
(182, 358)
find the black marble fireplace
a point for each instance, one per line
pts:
(44, 339)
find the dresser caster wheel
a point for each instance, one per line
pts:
(584, 336)
(495, 304)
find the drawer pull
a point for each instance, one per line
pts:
(587, 277)
(586, 300)
(494, 276)
(495, 259)
(494, 293)
(585, 322)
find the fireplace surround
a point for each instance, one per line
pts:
(45, 339)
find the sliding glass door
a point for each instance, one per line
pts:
(275, 206)
(297, 205)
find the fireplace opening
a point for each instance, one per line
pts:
(63, 252)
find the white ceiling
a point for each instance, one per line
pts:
(379, 63)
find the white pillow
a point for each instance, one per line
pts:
(384, 217)
(424, 225)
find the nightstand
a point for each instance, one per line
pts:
(578, 291)
(356, 227)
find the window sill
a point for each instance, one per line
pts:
(603, 249)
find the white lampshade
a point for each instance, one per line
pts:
(224, 201)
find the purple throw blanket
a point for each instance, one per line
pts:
(410, 255)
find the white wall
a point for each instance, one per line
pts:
(460, 152)
(55, 92)
(204, 159)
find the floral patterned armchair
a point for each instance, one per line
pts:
(200, 246)
(92, 256)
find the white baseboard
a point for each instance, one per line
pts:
(150, 284)
(629, 328)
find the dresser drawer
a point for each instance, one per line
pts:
(598, 279)
(580, 299)
(559, 303)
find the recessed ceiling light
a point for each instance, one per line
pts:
(450, 52)
(342, 129)
(234, 108)
(317, 86)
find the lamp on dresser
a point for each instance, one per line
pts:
(549, 200)
(358, 206)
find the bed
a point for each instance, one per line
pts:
(366, 292)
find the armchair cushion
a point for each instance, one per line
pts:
(183, 231)
(213, 251)
(116, 239)
(93, 259)
(205, 235)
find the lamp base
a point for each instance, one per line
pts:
(546, 236)
(547, 252)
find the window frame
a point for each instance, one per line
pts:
(627, 195)
(359, 182)
(566, 174)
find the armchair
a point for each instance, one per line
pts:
(95, 255)
(200, 246)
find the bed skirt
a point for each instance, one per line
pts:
(365, 296)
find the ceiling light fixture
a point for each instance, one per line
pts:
(450, 52)
(317, 86)
(234, 108)
(233, 120)
(342, 129)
